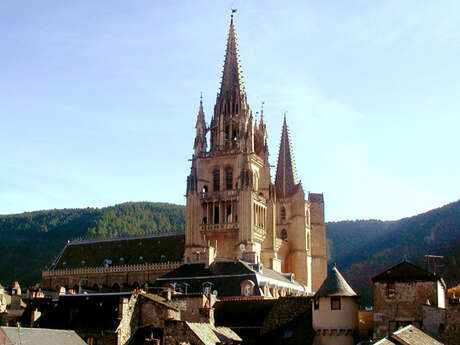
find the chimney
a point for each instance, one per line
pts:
(34, 316)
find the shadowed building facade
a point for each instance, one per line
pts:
(232, 205)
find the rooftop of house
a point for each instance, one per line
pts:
(79, 312)
(335, 285)
(41, 336)
(405, 272)
(408, 335)
(193, 277)
(121, 251)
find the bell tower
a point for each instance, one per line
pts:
(229, 184)
(234, 211)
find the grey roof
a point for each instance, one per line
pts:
(226, 277)
(335, 285)
(408, 335)
(209, 334)
(41, 336)
(406, 272)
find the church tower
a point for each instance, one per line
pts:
(234, 211)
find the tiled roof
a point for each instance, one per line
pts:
(405, 271)
(335, 285)
(242, 313)
(158, 299)
(225, 277)
(408, 335)
(41, 336)
(82, 312)
(210, 334)
(118, 252)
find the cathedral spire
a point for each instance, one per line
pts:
(286, 179)
(200, 138)
(231, 77)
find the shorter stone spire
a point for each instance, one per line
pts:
(286, 178)
(200, 138)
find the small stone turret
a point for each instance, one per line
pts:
(335, 311)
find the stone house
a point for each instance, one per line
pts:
(399, 295)
(122, 318)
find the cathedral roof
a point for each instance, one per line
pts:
(121, 251)
(226, 277)
(286, 179)
(335, 285)
(232, 78)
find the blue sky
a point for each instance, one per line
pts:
(98, 99)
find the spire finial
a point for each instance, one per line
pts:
(233, 11)
(201, 97)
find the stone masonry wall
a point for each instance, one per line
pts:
(405, 307)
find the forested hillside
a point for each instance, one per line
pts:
(30, 241)
(361, 249)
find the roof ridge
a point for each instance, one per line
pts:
(114, 239)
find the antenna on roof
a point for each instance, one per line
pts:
(433, 259)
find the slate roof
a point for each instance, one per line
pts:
(335, 285)
(122, 251)
(40, 336)
(82, 312)
(405, 272)
(245, 313)
(408, 335)
(210, 334)
(226, 278)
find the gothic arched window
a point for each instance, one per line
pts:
(283, 215)
(228, 178)
(216, 180)
(284, 234)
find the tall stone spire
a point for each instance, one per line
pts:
(200, 138)
(231, 77)
(230, 123)
(286, 179)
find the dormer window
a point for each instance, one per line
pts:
(83, 262)
(163, 257)
(122, 260)
(141, 258)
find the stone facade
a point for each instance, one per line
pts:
(399, 296)
(232, 204)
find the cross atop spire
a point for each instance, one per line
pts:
(286, 179)
(231, 77)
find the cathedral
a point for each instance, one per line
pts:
(244, 234)
(234, 210)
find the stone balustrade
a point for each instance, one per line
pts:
(113, 269)
(219, 227)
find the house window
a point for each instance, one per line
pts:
(283, 215)
(391, 290)
(335, 303)
(228, 178)
(216, 180)
(316, 303)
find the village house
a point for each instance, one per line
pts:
(399, 295)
